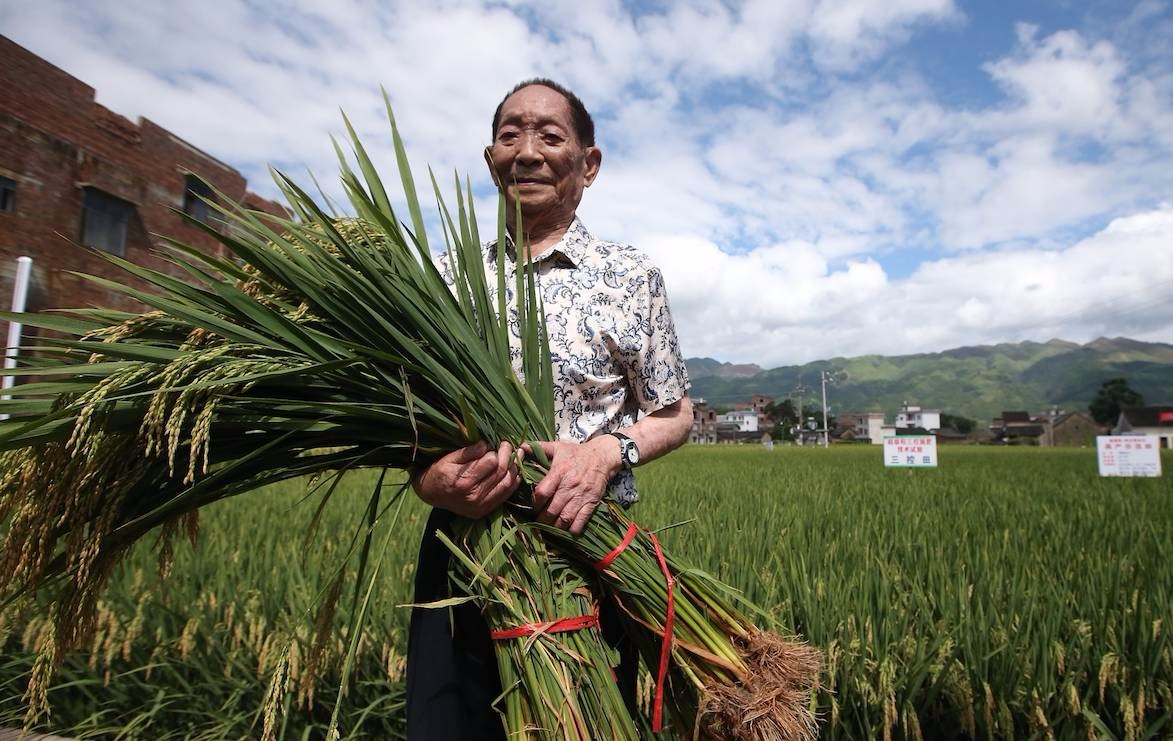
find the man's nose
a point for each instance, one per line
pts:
(529, 148)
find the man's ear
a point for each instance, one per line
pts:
(492, 168)
(592, 161)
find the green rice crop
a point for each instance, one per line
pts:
(192, 656)
(1007, 593)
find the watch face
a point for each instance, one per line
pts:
(631, 453)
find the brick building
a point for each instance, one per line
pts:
(704, 423)
(73, 172)
(1072, 430)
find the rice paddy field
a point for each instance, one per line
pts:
(1009, 593)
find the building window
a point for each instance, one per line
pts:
(7, 194)
(104, 221)
(195, 190)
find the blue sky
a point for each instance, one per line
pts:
(816, 178)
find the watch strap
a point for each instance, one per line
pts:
(625, 444)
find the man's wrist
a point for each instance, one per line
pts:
(609, 449)
(629, 455)
(419, 484)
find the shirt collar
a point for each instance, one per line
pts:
(574, 243)
(572, 246)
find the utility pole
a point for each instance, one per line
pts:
(826, 432)
(797, 393)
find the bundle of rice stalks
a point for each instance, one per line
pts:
(717, 674)
(338, 345)
(555, 669)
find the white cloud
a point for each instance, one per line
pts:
(1019, 187)
(845, 34)
(750, 306)
(785, 304)
(1062, 83)
(1122, 272)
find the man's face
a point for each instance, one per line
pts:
(538, 158)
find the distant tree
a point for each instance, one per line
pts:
(784, 417)
(816, 411)
(783, 432)
(781, 411)
(1113, 394)
(964, 425)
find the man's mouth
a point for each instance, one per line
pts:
(529, 181)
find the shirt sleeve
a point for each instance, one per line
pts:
(658, 376)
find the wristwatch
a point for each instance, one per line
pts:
(628, 450)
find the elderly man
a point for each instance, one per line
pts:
(621, 396)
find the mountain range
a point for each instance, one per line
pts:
(976, 382)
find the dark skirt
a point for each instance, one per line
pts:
(452, 676)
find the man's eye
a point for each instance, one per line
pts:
(552, 138)
(506, 137)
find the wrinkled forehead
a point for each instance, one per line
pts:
(536, 105)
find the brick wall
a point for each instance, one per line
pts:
(56, 140)
(1075, 430)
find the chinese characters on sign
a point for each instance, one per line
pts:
(1128, 455)
(909, 451)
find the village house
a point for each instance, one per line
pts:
(757, 406)
(1016, 428)
(1059, 429)
(746, 420)
(741, 426)
(746, 424)
(1071, 430)
(1151, 420)
(911, 420)
(915, 417)
(756, 403)
(73, 172)
(729, 434)
(704, 423)
(862, 426)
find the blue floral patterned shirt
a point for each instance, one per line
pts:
(612, 339)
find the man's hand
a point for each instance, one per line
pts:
(470, 482)
(579, 472)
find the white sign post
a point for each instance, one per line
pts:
(20, 289)
(910, 451)
(1128, 455)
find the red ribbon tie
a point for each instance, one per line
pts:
(669, 619)
(562, 625)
